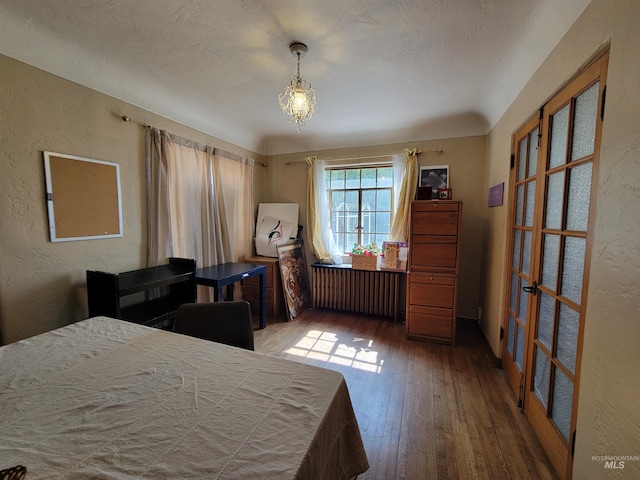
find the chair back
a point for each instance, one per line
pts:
(222, 322)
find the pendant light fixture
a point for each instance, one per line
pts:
(298, 101)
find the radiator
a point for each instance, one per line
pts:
(361, 291)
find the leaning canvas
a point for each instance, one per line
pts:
(295, 282)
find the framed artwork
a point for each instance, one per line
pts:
(444, 194)
(436, 176)
(295, 283)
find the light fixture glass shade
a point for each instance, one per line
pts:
(298, 101)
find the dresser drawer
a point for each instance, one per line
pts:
(430, 290)
(434, 255)
(424, 323)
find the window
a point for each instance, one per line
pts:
(360, 200)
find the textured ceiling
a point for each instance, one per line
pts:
(384, 71)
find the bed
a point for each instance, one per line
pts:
(105, 398)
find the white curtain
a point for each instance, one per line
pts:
(318, 218)
(199, 202)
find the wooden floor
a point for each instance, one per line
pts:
(425, 411)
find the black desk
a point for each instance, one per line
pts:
(226, 274)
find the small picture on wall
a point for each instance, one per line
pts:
(436, 177)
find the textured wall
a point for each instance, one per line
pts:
(609, 397)
(465, 157)
(42, 284)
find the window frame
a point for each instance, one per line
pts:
(359, 229)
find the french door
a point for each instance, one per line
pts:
(553, 207)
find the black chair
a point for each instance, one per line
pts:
(223, 322)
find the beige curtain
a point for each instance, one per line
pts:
(199, 202)
(400, 223)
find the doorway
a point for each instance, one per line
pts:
(553, 192)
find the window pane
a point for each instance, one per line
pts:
(383, 222)
(351, 200)
(384, 200)
(353, 179)
(337, 222)
(352, 239)
(337, 179)
(368, 178)
(368, 200)
(351, 222)
(337, 200)
(385, 177)
(340, 242)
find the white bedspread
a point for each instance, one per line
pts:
(109, 399)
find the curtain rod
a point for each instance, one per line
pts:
(440, 150)
(127, 119)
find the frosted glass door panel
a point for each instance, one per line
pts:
(550, 254)
(545, 320)
(559, 136)
(584, 123)
(579, 195)
(573, 268)
(541, 377)
(555, 193)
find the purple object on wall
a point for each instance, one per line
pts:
(496, 194)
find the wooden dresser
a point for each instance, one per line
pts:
(432, 279)
(275, 296)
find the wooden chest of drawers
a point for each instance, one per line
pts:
(432, 279)
(275, 296)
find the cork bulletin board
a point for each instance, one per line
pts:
(83, 198)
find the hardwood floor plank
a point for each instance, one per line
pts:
(425, 411)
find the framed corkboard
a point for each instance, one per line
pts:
(83, 198)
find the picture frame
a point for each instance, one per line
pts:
(434, 176)
(445, 194)
(83, 198)
(295, 282)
